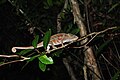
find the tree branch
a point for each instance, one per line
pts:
(13, 56)
(80, 39)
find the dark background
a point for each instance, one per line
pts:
(41, 14)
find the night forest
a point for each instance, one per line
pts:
(80, 39)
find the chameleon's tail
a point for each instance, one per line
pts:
(14, 49)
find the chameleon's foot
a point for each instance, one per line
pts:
(48, 51)
(62, 45)
(54, 47)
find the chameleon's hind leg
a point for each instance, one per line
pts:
(48, 48)
(54, 47)
(62, 41)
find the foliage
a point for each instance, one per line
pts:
(35, 41)
(46, 39)
(43, 61)
(102, 47)
(23, 52)
(42, 66)
(116, 76)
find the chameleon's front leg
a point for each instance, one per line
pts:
(48, 48)
(53, 46)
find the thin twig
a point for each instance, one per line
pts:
(9, 56)
(15, 56)
(69, 69)
(108, 61)
(96, 33)
(14, 61)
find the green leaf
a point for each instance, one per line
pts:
(46, 6)
(102, 47)
(62, 15)
(115, 77)
(50, 2)
(57, 53)
(32, 58)
(115, 5)
(23, 52)
(1, 62)
(45, 60)
(81, 1)
(75, 31)
(69, 28)
(35, 41)
(42, 66)
(46, 38)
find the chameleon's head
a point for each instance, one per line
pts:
(71, 37)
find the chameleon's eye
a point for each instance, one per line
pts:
(72, 37)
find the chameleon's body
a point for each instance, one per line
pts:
(57, 39)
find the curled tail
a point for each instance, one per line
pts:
(14, 49)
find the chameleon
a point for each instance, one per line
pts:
(56, 39)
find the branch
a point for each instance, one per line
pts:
(15, 56)
(9, 56)
(94, 33)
